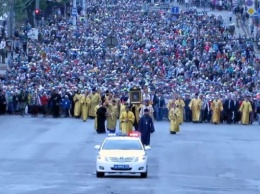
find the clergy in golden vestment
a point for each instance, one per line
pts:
(127, 119)
(195, 106)
(216, 107)
(112, 115)
(109, 98)
(95, 110)
(245, 109)
(174, 115)
(180, 105)
(85, 103)
(77, 106)
(95, 99)
(122, 106)
(118, 105)
(170, 102)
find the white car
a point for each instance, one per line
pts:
(120, 154)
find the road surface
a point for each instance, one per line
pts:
(57, 156)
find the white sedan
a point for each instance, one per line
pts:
(120, 154)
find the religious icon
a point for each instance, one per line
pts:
(135, 95)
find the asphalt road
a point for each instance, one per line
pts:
(57, 156)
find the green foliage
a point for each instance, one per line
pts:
(43, 5)
(65, 1)
(23, 4)
(61, 2)
(24, 8)
(20, 9)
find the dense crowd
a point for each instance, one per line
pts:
(186, 54)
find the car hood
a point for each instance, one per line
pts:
(122, 153)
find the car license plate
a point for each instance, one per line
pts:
(121, 166)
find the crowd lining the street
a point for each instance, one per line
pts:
(167, 56)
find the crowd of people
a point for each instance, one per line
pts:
(168, 54)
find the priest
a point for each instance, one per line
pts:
(174, 115)
(245, 110)
(195, 106)
(146, 127)
(216, 107)
(77, 104)
(127, 119)
(85, 103)
(95, 99)
(112, 115)
(101, 118)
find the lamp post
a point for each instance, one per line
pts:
(74, 7)
(11, 21)
(84, 8)
(37, 6)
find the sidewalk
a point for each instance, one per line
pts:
(241, 30)
(225, 15)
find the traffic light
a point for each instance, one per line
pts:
(37, 13)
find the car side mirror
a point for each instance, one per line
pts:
(97, 147)
(146, 148)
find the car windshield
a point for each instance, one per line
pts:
(122, 145)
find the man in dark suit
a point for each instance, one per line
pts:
(236, 110)
(229, 108)
(155, 106)
(187, 109)
(161, 106)
(103, 98)
(2, 102)
(207, 110)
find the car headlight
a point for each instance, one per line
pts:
(141, 158)
(102, 158)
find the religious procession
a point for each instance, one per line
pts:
(179, 109)
(108, 108)
(190, 68)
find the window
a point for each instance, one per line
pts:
(122, 145)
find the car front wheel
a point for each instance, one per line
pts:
(100, 174)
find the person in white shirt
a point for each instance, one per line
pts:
(2, 51)
(146, 95)
(148, 106)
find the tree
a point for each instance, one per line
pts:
(54, 4)
(28, 7)
(24, 9)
